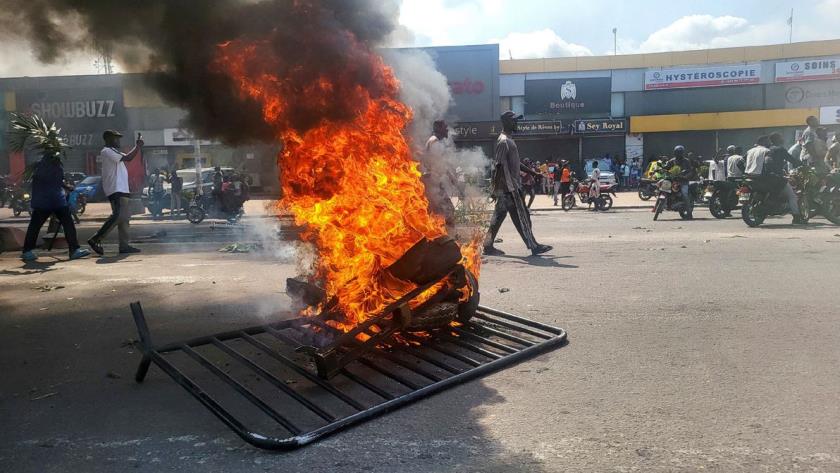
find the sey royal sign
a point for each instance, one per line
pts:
(611, 125)
(713, 76)
(817, 69)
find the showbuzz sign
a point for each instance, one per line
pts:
(815, 69)
(712, 76)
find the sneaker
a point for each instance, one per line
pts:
(493, 251)
(129, 250)
(28, 256)
(540, 249)
(79, 253)
(96, 247)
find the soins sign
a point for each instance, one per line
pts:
(817, 69)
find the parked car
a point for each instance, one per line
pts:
(189, 188)
(91, 187)
(74, 177)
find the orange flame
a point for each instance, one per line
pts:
(351, 184)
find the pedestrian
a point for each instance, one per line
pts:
(115, 186)
(832, 157)
(809, 141)
(595, 187)
(556, 178)
(176, 183)
(529, 183)
(565, 183)
(218, 181)
(506, 189)
(49, 198)
(156, 193)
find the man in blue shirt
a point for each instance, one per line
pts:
(49, 198)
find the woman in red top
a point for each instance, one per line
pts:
(565, 183)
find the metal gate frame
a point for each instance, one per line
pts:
(473, 336)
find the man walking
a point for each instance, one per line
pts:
(115, 186)
(177, 186)
(156, 194)
(506, 188)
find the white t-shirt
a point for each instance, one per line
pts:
(114, 172)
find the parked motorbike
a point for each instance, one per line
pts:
(207, 206)
(722, 197)
(647, 189)
(670, 197)
(581, 190)
(20, 202)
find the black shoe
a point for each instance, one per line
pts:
(96, 247)
(798, 220)
(129, 250)
(493, 251)
(540, 249)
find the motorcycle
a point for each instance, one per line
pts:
(581, 189)
(761, 197)
(826, 200)
(205, 206)
(670, 197)
(647, 189)
(20, 202)
(722, 197)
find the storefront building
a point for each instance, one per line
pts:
(704, 100)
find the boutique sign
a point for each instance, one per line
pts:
(568, 97)
(712, 76)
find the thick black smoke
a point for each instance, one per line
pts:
(176, 42)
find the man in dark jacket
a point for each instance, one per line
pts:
(49, 198)
(774, 168)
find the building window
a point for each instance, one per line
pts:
(504, 104)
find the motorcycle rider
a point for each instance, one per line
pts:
(757, 155)
(774, 168)
(735, 163)
(687, 173)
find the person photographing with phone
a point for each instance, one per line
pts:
(115, 186)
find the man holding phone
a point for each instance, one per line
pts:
(115, 185)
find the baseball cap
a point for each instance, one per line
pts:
(509, 114)
(108, 133)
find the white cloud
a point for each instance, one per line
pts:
(695, 32)
(539, 44)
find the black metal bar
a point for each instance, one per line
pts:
(370, 387)
(521, 320)
(500, 334)
(238, 387)
(512, 326)
(463, 359)
(408, 365)
(306, 374)
(389, 373)
(473, 348)
(472, 336)
(415, 352)
(145, 341)
(276, 382)
(224, 336)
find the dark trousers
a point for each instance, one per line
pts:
(530, 192)
(39, 216)
(512, 203)
(120, 214)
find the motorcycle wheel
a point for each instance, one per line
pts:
(195, 214)
(751, 214)
(80, 209)
(607, 202)
(16, 211)
(831, 210)
(645, 194)
(658, 208)
(716, 206)
(569, 202)
(805, 209)
(685, 214)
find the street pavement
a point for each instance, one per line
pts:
(701, 345)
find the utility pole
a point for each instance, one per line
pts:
(790, 23)
(615, 41)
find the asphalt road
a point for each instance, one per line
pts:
(700, 345)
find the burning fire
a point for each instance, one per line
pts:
(350, 181)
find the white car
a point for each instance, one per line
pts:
(188, 175)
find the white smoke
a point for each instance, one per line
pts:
(426, 91)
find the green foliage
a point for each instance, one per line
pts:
(32, 132)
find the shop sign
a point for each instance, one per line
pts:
(541, 128)
(179, 137)
(573, 97)
(816, 69)
(830, 115)
(712, 76)
(81, 112)
(611, 125)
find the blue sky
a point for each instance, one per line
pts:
(528, 26)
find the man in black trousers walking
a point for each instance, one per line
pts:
(506, 188)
